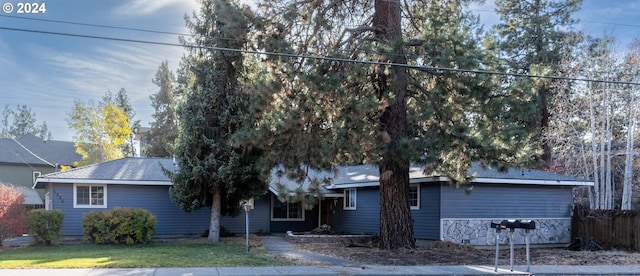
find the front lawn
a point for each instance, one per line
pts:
(155, 254)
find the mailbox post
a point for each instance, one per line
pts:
(498, 226)
(527, 225)
(247, 207)
(512, 225)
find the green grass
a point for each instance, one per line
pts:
(175, 254)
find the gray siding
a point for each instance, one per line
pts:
(507, 201)
(170, 219)
(155, 199)
(258, 218)
(427, 218)
(366, 217)
(62, 199)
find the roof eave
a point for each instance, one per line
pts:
(40, 182)
(531, 182)
(479, 180)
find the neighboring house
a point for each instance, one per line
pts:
(350, 204)
(23, 159)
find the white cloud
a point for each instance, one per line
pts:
(146, 7)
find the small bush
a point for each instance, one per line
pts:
(322, 230)
(12, 211)
(128, 225)
(45, 226)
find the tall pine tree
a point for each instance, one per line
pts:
(535, 37)
(212, 169)
(321, 113)
(164, 128)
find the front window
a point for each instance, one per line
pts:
(350, 199)
(90, 196)
(414, 197)
(283, 211)
(35, 175)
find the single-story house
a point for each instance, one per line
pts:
(350, 203)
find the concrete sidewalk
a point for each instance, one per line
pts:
(332, 270)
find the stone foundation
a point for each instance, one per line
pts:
(479, 232)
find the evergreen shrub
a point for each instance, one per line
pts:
(128, 225)
(45, 226)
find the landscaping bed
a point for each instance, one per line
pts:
(333, 238)
(446, 253)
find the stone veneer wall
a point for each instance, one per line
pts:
(479, 232)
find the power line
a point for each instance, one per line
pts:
(335, 59)
(505, 62)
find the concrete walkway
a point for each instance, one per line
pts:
(323, 265)
(279, 246)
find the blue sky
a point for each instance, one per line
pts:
(49, 72)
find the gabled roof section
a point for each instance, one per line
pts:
(126, 171)
(32, 150)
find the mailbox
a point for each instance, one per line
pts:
(527, 224)
(498, 225)
(511, 223)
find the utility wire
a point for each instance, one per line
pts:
(335, 59)
(502, 63)
(32, 153)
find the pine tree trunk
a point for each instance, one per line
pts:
(214, 224)
(396, 225)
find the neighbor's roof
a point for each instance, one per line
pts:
(31, 196)
(30, 149)
(129, 170)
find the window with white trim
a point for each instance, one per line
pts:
(350, 199)
(283, 211)
(89, 196)
(35, 175)
(414, 196)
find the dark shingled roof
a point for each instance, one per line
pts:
(136, 170)
(515, 173)
(32, 150)
(128, 169)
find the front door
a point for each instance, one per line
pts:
(327, 211)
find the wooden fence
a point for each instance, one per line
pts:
(608, 229)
